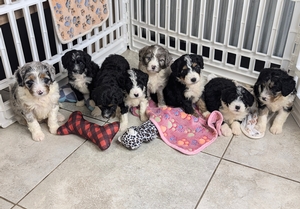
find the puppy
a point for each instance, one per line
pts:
(155, 61)
(185, 85)
(232, 100)
(275, 91)
(108, 91)
(34, 97)
(136, 91)
(81, 71)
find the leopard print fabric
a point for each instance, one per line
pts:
(136, 135)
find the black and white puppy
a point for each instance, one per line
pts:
(81, 71)
(136, 91)
(155, 61)
(34, 97)
(232, 100)
(186, 83)
(275, 91)
(108, 93)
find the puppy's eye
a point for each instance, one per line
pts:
(161, 61)
(46, 80)
(29, 83)
(147, 59)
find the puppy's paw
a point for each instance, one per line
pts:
(92, 103)
(236, 128)
(261, 128)
(144, 118)
(206, 114)
(123, 126)
(96, 112)
(275, 129)
(80, 103)
(226, 131)
(38, 136)
(53, 129)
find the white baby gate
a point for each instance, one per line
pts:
(237, 38)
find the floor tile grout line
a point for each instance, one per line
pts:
(213, 174)
(257, 169)
(50, 172)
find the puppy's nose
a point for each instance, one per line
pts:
(264, 98)
(153, 67)
(40, 92)
(136, 95)
(237, 107)
(193, 80)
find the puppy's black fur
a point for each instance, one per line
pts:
(108, 91)
(184, 77)
(222, 89)
(275, 91)
(81, 71)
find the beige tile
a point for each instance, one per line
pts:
(278, 154)
(153, 176)
(234, 186)
(132, 57)
(5, 204)
(24, 162)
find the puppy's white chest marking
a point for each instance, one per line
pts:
(80, 82)
(194, 91)
(133, 102)
(40, 106)
(156, 81)
(280, 103)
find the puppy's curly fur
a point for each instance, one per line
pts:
(186, 83)
(81, 71)
(108, 93)
(275, 91)
(136, 91)
(232, 100)
(155, 61)
(34, 97)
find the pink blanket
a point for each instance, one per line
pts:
(184, 132)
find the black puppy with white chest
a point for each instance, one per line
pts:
(185, 84)
(275, 91)
(232, 100)
(81, 71)
(108, 93)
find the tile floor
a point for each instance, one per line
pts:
(69, 172)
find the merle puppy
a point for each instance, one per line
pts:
(232, 100)
(185, 84)
(81, 71)
(275, 91)
(108, 93)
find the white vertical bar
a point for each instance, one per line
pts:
(228, 22)
(16, 37)
(111, 37)
(44, 32)
(30, 33)
(260, 15)
(243, 24)
(4, 57)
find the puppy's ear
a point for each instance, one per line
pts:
(288, 86)
(87, 58)
(249, 98)
(50, 71)
(168, 58)
(199, 60)
(142, 52)
(19, 74)
(67, 58)
(143, 76)
(174, 65)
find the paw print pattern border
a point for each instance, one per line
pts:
(76, 18)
